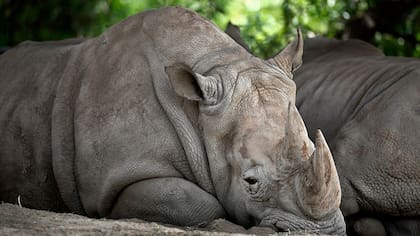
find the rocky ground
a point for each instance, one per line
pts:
(15, 220)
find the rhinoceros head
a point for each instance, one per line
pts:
(265, 169)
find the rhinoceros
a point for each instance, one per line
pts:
(368, 105)
(163, 117)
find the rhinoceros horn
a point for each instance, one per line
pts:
(318, 187)
(290, 58)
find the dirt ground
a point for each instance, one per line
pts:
(15, 220)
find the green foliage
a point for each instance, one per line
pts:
(266, 25)
(401, 42)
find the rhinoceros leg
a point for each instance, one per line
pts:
(168, 200)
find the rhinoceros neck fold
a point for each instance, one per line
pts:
(62, 134)
(180, 36)
(188, 136)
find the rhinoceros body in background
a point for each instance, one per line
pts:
(368, 106)
(165, 118)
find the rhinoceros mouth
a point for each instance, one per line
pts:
(287, 222)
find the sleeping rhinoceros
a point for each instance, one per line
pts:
(368, 105)
(165, 118)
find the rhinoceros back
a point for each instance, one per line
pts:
(29, 75)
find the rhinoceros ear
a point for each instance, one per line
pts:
(194, 86)
(290, 59)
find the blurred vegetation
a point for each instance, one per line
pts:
(266, 25)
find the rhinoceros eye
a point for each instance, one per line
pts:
(253, 185)
(256, 184)
(251, 180)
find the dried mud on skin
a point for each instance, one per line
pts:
(15, 220)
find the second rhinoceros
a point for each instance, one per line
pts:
(163, 117)
(368, 104)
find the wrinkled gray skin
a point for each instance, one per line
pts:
(162, 117)
(368, 105)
